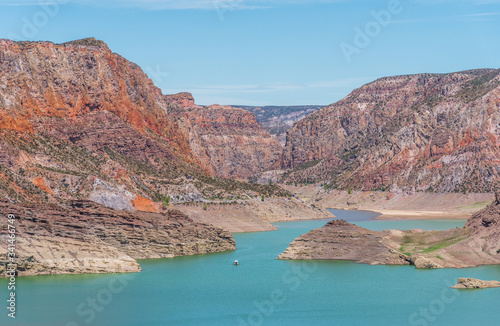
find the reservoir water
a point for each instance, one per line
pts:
(209, 290)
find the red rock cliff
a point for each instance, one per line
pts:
(80, 122)
(229, 141)
(43, 79)
(424, 132)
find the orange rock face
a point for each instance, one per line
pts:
(40, 183)
(42, 79)
(145, 205)
(79, 121)
(184, 99)
(424, 132)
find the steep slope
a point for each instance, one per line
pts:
(78, 121)
(434, 132)
(485, 226)
(42, 79)
(229, 141)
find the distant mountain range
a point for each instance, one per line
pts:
(278, 119)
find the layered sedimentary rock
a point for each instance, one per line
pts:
(340, 240)
(254, 215)
(434, 132)
(43, 79)
(475, 244)
(485, 226)
(184, 99)
(85, 237)
(229, 142)
(78, 121)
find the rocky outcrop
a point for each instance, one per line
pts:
(471, 283)
(427, 132)
(396, 205)
(85, 237)
(340, 240)
(475, 244)
(229, 142)
(184, 99)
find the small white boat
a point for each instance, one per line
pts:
(236, 263)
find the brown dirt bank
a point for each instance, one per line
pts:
(253, 215)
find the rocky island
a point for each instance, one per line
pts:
(471, 283)
(473, 245)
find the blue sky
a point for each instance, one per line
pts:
(271, 52)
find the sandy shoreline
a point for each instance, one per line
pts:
(420, 215)
(398, 206)
(386, 214)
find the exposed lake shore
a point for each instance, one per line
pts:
(397, 205)
(308, 203)
(312, 202)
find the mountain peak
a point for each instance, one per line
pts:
(88, 42)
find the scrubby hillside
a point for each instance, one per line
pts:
(427, 132)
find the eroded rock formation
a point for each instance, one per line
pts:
(85, 237)
(472, 283)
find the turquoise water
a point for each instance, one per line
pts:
(209, 290)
